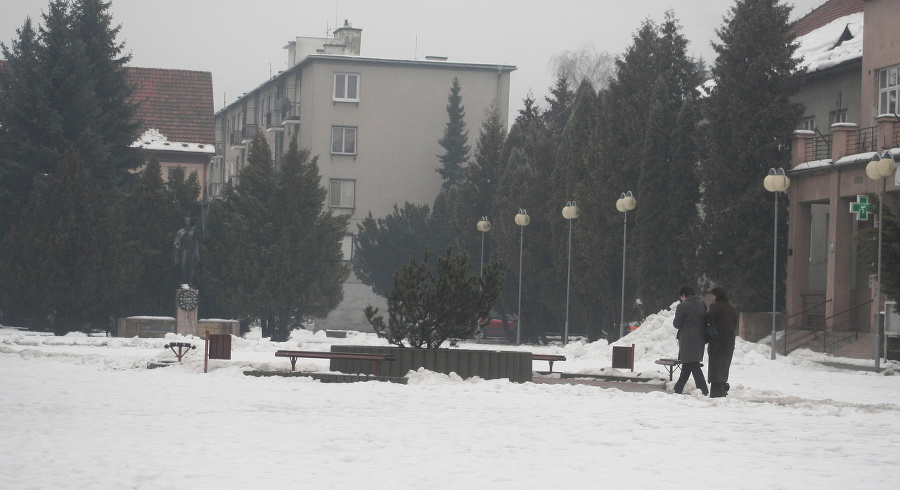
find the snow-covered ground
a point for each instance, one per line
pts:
(85, 412)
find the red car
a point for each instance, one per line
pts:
(493, 327)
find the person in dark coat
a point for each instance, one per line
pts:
(724, 318)
(690, 320)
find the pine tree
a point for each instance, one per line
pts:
(455, 140)
(67, 260)
(428, 307)
(750, 119)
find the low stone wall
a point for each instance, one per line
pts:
(153, 327)
(512, 365)
(218, 327)
(754, 327)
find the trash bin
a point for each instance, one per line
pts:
(219, 346)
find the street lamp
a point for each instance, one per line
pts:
(878, 169)
(483, 226)
(569, 212)
(626, 203)
(522, 219)
(775, 182)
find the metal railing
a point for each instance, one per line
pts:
(810, 328)
(864, 140)
(805, 326)
(820, 149)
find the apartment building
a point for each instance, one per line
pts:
(374, 124)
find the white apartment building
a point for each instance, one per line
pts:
(374, 124)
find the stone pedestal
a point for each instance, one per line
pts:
(186, 302)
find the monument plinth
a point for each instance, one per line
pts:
(186, 302)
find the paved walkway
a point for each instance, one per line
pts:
(618, 385)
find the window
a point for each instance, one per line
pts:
(888, 86)
(808, 123)
(342, 193)
(835, 117)
(346, 87)
(343, 140)
(347, 248)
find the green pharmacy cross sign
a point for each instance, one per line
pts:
(862, 208)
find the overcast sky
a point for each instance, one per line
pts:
(242, 43)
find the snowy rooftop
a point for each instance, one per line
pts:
(153, 140)
(837, 42)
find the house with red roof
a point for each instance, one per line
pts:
(175, 108)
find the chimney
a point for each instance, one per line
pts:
(350, 37)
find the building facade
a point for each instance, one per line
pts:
(373, 123)
(175, 108)
(851, 52)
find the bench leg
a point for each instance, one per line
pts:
(551, 366)
(293, 364)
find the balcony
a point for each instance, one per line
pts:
(273, 122)
(237, 140)
(248, 132)
(845, 139)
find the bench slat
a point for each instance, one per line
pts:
(293, 355)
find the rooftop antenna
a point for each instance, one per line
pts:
(416, 48)
(336, 5)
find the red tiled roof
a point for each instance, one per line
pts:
(825, 13)
(179, 103)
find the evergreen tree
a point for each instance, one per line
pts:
(428, 307)
(68, 264)
(455, 140)
(151, 218)
(272, 254)
(478, 190)
(307, 271)
(385, 245)
(750, 119)
(65, 87)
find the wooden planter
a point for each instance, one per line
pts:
(515, 366)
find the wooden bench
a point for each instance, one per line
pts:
(670, 364)
(548, 357)
(293, 355)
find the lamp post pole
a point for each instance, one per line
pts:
(569, 212)
(522, 219)
(483, 226)
(879, 169)
(626, 203)
(776, 181)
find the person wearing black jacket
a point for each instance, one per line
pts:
(724, 318)
(690, 320)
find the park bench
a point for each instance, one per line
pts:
(293, 355)
(670, 364)
(548, 357)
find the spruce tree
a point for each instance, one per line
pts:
(479, 189)
(750, 119)
(455, 140)
(67, 89)
(68, 263)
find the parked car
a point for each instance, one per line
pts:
(492, 328)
